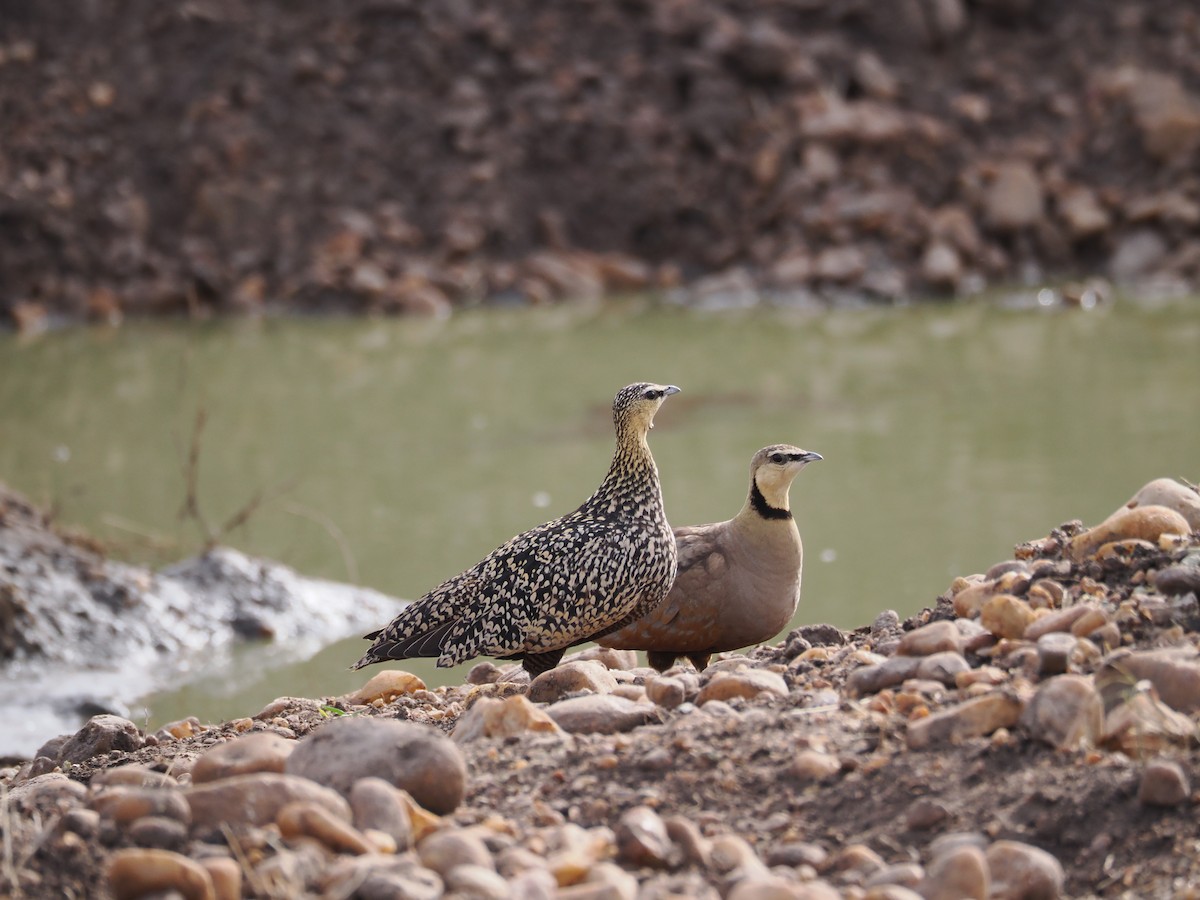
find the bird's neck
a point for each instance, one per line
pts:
(632, 468)
(766, 509)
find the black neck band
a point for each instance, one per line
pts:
(764, 509)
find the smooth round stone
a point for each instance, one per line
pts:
(127, 804)
(642, 838)
(958, 873)
(256, 799)
(601, 714)
(444, 850)
(571, 678)
(1163, 783)
(936, 637)
(415, 758)
(665, 691)
(1020, 872)
(260, 751)
(380, 806)
(746, 684)
(472, 882)
(137, 872)
(812, 765)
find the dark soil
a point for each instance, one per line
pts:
(402, 156)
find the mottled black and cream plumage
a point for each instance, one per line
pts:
(562, 583)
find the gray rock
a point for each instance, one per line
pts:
(601, 714)
(412, 757)
(942, 667)
(443, 851)
(101, 735)
(571, 678)
(872, 679)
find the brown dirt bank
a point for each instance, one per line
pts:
(1044, 712)
(402, 156)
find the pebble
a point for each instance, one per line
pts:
(134, 873)
(158, 832)
(1065, 712)
(123, 804)
(764, 886)
(611, 659)
(729, 852)
(666, 691)
(1013, 200)
(570, 678)
(1175, 674)
(1006, 616)
(936, 637)
(415, 758)
(256, 799)
(1059, 620)
(812, 765)
(472, 882)
(944, 667)
(133, 775)
(1054, 653)
(260, 751)
(748, 683)
(925, 813)
(1023, 872)
(856, 858)
(959, 872)
(797, 853)
(1173, 495)
(972, 718)
(444, 850)
(1147, 523)
(386, 686)
(687, 837)
(378, 805)
(601, 714)
(490, 717)
(642, 838)
(907, 875)
(305, 819)
(100, 735)
(1143, 725)
(874, 678)
(226, 877)
(1163, 783)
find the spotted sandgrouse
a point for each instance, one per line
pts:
(562, 583)
(738, 581)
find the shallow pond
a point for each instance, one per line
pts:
(396, 453)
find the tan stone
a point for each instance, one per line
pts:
(304, 819)
(1020, 871)
(935, 637)
(747, 684)
(490, 717)
(133, 873)
(1147, 523)
(386, 686)
(1173, 495)
(571, 678)
(1006, 616)
(976, 717)
(959, 873)
(260, 751)
(256, 799)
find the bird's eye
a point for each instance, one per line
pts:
(653, 394)
(778, 458)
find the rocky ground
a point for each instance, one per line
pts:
(395, 156)
(1033, 735)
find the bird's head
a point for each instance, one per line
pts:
(636, 404)
(773, 468)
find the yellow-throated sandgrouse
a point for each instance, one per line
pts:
(738, 581)
(562, 583)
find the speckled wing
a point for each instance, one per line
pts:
(701, 560)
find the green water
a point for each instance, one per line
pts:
(397, 453)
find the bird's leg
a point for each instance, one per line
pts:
(661, 660)
(700, 660)
(537, 663)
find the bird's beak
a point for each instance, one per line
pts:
(671, 389)
(807, 457)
